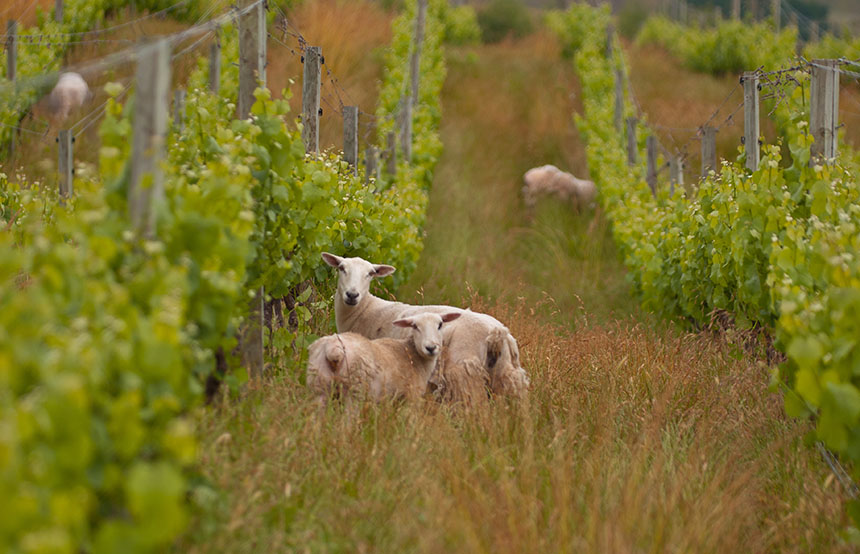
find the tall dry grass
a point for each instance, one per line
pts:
(22, 11)
(632, 440)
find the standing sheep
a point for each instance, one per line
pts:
(380, 368)
(550, 180)
(70, 93)
(479, 353)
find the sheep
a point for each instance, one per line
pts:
(549, 179)
(479, 354)
(381, 368)
(70, 93)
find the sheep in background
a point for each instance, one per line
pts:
(381, 368)
(70, 93)
(479, 353)
(550, 180)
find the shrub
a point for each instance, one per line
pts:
(504, 18)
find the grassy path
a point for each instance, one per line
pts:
(635, 437)
(508, 108)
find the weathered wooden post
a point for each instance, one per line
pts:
(215, 64)
(65, 163)
(813, 31)
(610, 35)
(682, 15)
(619, 99)
(11, 65)
(179, 109)
(415, 58)
(350, 136)
(391, 154)
(676, 170)
(776, 10)
(631, 141)
(651, 172)
(736, 9)
(252, 73)
(152, 82)
(751, 119)
(824, 109)
(311, 99)
(709, 150)
(11, 49)
(58, 11)
(371, 167)
(252, 55)
(405, 119)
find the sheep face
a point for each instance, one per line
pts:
(427, 331)
(354, 276)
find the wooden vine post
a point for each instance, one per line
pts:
(651, 173)
(311, 79)
(252, 73)
(350, 136)
(391, 154)
(58, 11)
(824, 110)
(215, 64)
(736, 9)
(252, 54)
(65, 163)
(610, 35)
(631, 141)
(776, 10)
(179, 109)
(676, 170)
(371, 164)
(751, 119)
(410, 101)
(146, 187)
(11, 49)
(709, 150)
(619, 99)
(11, 65)
(404, 119)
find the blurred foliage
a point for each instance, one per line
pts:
(503, 18)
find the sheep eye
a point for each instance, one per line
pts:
(341, 269)
(440, 325)
(371, 274)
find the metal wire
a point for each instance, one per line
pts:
(842, 476)
(114, 27)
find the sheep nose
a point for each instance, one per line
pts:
(430, 349)
(351, 297)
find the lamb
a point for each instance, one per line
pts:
(479, 356)
(381, 368)
(548, 179)
(70, 93)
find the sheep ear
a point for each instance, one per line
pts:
(403, 323)
(331, 259)
(450, 316)
(382, 270)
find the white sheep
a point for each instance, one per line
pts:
(479, 353)
(550, 180)
(70, 93)
(381, 368)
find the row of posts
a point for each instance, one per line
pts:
(678, 10)
(824, 114)
(152, 81)
(150, 129)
